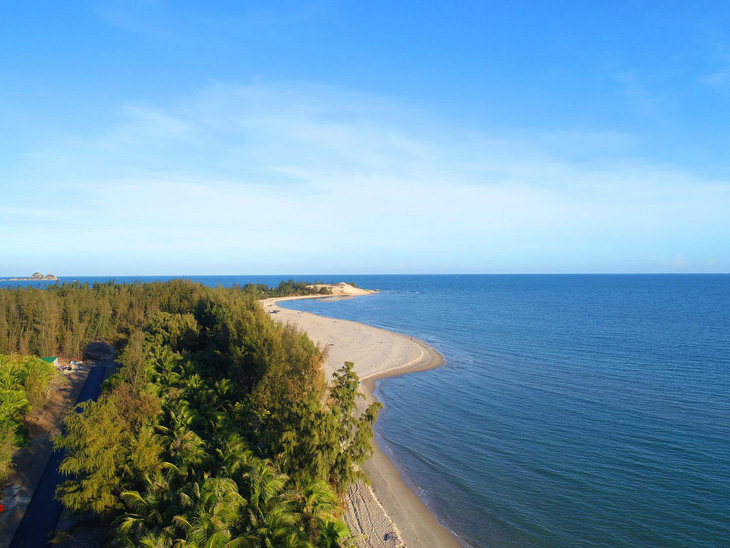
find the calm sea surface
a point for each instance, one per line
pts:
(572, 410)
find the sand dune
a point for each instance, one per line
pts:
(343, 289)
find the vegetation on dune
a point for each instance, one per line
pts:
(218, 430)
(287, 289)
(24, 382)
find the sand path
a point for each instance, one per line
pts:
(389, 514)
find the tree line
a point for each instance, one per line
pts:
(287, 288)
(218, 430)
(63, 318)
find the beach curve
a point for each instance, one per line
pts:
(388, 514)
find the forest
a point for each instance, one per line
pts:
(62, 318)
(219, 428)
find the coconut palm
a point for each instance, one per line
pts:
(318, 504)
(272, 517)
(218, 512)
(334, 534)
(14, 405)
(149, 515)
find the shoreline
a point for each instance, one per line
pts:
(390, 513)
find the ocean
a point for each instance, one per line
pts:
(571, 411)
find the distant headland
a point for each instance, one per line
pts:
(35, 277)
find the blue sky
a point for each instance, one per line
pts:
(152, 137)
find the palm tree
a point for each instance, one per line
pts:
(162, 510)
(186, 448)
(318, 504)
(149, 515)
(334, 534)
(236, 457)
(13, 405)
(153, 540)
(271, 516)
(217, 513)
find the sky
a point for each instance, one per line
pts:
(146, 137)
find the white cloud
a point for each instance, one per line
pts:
(307, 177)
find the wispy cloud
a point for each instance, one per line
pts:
(175, 23)
(137, 16)
(642, 96)
(277, 177)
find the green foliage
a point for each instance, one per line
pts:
(178, 331)
(110, 445)
(329, 442)
(353, 433)
(24, 384)
(289, 288)
(218, 430)
(63, 318)
(38, 377)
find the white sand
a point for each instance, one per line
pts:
(389, 514)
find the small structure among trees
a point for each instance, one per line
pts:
(53, 360)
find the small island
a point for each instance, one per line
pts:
(35, 277)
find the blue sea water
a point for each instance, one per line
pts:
(571, 411)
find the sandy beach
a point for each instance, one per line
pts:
(389, 514)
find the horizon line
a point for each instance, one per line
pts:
(9, 277)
